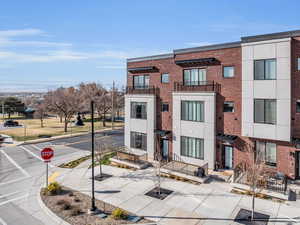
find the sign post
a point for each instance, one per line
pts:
(47, 154)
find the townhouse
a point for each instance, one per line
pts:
(212, 105)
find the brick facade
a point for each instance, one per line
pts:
(231, 90)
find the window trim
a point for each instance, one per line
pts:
(131, 116)
(141, 87)
(203, 117)
(232, 107)
(264, 111)
(223, 67)
(138, 133)
(161, 78)
(272, 164)
(254, 77)
(201, 140)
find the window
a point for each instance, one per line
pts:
(141, 81)
(228, 71)
(265, 69)
(194, 77)
(298, 106)
(138, 140)
(139, 110)
(228, 107)
(297, 146)
(165, 107)
(298, 64)
(267, 152)
(192, 147)
(265, 111)
(165, 78)
(192, 111)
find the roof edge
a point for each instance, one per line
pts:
(152, 57)
(265, 37)
(208, 47)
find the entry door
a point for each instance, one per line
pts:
(297, 164)
(228, 153)
(165, 148)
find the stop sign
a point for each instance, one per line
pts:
(47, 154)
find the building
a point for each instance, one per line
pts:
(206, 105)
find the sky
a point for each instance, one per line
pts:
(49, 44)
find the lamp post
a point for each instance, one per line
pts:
(93, 208)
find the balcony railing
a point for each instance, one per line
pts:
(141, 90)
(197, 86)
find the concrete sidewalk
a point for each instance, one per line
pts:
(189, 204)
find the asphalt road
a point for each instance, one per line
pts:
(21, 167)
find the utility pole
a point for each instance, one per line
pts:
(3, 110)
(113, 106)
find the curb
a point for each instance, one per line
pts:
(48, 211)
(63, 136)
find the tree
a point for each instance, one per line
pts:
(40, 112)
(65, 102)
(255, 172)
(103, 146)
(97, 93)
(12, 105)
(119, 100)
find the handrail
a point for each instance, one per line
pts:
(142, 90)
(194, 86)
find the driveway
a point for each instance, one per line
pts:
(189, 204)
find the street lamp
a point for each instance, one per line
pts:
(93, 208)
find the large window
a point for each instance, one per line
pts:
(192, 111)
(138, 140)
(228, 107)
(265, 69)
(192, 147)
(165, 78)
(228, 71)
(298, 64)
(194, 77)
(139, 110)
(265, 111)
(141, 81)
(267, 152)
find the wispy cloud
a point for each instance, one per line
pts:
(20, 32)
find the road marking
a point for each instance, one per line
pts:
(4, 196)
(34, 155)
(53, 176)
(87, 140)
(2, 221)
(14, 163)
(13, 181)
(14, 199)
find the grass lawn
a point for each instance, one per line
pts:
(52, 126)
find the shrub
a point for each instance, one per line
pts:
(54, 188)
(67, 205)
(76, 211)
(44, 191)
(118, 214)
(61, 202)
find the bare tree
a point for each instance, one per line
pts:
(119, 100)
(255, 172)
(40, 112)
(65, 102)
(103, 146)
(97, 93)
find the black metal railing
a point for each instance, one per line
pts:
(142, 90)
(194, 86)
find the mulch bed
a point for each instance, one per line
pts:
(81, 202)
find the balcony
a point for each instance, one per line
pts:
(197, 86)
(148, 90)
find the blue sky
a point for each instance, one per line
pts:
(47, 44)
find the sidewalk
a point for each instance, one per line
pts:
(189, 204)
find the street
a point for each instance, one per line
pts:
(21, 170)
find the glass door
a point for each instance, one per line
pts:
(228, 152)
(165, 148)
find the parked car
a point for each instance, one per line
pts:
(11, 123)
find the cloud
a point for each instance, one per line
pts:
(20, 32)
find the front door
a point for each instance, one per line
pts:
(165, 148)
(228, 157)
(297, 164)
